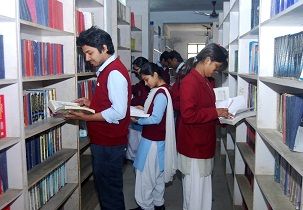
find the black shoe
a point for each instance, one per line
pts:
(138, 208)
(160, 207)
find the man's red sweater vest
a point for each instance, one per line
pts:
(102, 132)
(155, 132)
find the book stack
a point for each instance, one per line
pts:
(40, 58)
(291, 121)
(45, 12)
(2, 66)
(278, 6)
(253, 57)
(86, 88)
(288, 54)
(40, 147)
(35, 104)
(290, 180)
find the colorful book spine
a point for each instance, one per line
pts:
(2, 118)
(2, 65)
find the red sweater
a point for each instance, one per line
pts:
(140, 92)
(197, 128)
(155, 132)
(102, 132)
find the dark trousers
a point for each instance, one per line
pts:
(107, 169)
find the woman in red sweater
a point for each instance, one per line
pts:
(197, 127)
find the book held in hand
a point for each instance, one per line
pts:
(236, 106)
(61, 107)
(135, 112)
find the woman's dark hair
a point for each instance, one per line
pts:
(150, 68)
(95, 37)
(188, 65)
(215, 52)
(140, 61)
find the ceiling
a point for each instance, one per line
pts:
(183, 5)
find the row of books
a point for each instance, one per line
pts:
(35, 104)
(253, 57)
(41, 147)
(41, 58)
(47, 188)
(290, 121)
(278, 6)
(2, 66)
(255, 10)
(84, 20)
(288, 61)
(86, 88)
(45, 12)
(82, 65)
(252, 96)
(290, 180)
(121, 11)
(251, 137)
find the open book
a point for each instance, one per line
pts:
(61, 107)
(236, 106)
(135, 112)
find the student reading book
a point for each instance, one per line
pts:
(61, 107)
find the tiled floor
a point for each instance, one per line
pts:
(173, 193)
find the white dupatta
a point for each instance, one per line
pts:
(170, 153)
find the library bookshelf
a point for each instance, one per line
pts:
(253, 150)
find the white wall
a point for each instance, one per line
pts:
(181, 39)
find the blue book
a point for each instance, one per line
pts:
(2, 67)
(3, 169)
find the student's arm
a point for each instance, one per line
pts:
(159, 108)
(118, 96)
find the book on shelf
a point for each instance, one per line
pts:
(2, 69)
(2, 118)
(61, 107)
(236, 106)
(136, 112)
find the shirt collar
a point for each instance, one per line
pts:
(179, 67)
(106, 63)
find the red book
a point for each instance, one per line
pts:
(51, 13)
(32, 10)
(132, 20)
(2, 118)
(59, 15)
(50, 59)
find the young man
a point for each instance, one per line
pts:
(163, 63)
(108, 127)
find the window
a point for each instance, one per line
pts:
(194, 49)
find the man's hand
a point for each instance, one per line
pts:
(74, 115)
(83, 102)
(223, 112)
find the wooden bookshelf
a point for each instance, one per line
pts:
(247, 154)
(8, 197)
(246, 190)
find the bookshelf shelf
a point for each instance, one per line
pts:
(247, 154)
(42, 126)
(273, 193)
(274, 139)
(250, 78)
(60, 197)
(136, 29)
(6, 19)
(292, 16)
(282, 85)
(252, 34)
(232, 73)
(9, 196)
(46, 167)
(83, 143)
(252, 121)
(27, 27)
(86, 74)
(5, 82)
(47, 78)
(122, 22)
(8, 142)
(89, 4)
(86, 169)
(231, 158)
(235, 41)
(246, 190)
(136, 51)
(123, 48)
(230, 182)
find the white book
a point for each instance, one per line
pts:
(135, 112)
(222, 93)
(236, 106)
(61, 107)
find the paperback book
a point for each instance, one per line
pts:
(136, 112)
(62, 107)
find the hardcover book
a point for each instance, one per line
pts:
(61, 107)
